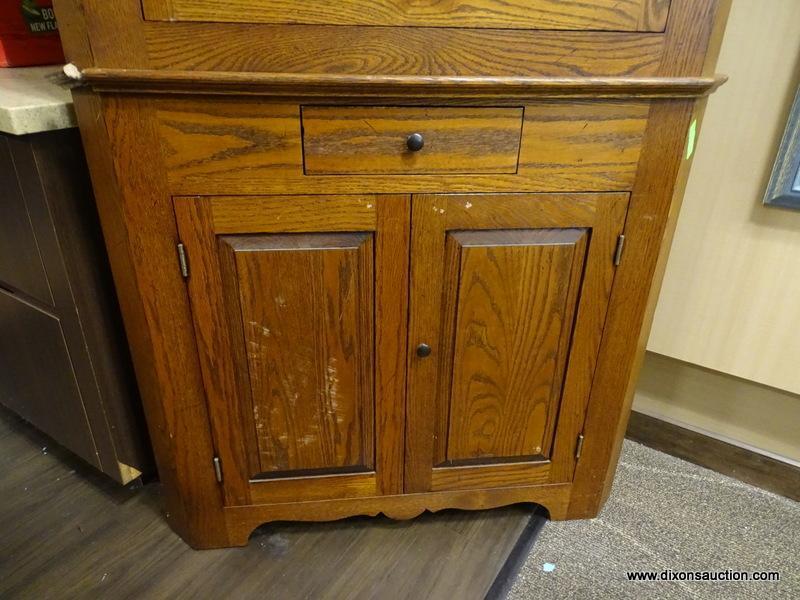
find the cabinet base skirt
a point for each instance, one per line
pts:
(241, 521)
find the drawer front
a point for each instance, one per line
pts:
(242, 146)
(380, 140)
(599, 15)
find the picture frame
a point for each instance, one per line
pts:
(783, 189)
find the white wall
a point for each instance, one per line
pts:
(731, 295)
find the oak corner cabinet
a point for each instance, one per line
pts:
(387, 256)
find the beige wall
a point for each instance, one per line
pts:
(735, 410)
(731, 296)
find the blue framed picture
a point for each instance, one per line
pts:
(784, 184)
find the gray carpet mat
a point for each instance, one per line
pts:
(668, 514)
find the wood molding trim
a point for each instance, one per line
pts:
(722, 457)
(379, 86)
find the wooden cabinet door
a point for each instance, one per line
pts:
(510, 293)
(299, 306)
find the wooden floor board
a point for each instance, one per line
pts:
(68, 532)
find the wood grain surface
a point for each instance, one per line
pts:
(306, 307)
(260, 48)
(226, 146)
(349, 89)
(512, 320)
(372, 140)
(133, 204)
(295, 313)
(212, 116)
(614, 15)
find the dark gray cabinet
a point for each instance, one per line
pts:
(64, 361)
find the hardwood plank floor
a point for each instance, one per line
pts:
(69, 532)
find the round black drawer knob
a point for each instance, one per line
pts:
(423, 350)
(415, 142)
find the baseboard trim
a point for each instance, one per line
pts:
(718, 436)
(731, 460)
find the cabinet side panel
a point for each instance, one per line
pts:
(138, 223)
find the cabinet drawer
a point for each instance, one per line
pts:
(21, 266)
(37, 379)
(599, 15)
(377, 140)
(242, 146)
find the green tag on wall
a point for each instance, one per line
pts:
(691, 138)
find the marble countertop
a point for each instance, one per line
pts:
(31, 101)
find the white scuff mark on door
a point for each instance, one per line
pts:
(260, 327)
(332, 385)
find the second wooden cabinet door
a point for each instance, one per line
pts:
(306, 337)
(510, 292)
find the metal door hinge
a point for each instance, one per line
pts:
(618, 251)
(218, 469)
(183, 260)
(579, 447)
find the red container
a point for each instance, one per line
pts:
(29, 34)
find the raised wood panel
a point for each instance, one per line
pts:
(372, 140)
(232, 47)
(513, 318)
(614, 15)
(235, 146)
(306, 307)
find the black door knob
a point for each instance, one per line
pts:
(415, 142)
(423, 350)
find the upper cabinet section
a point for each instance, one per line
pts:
(506, 50)
(566, 15)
